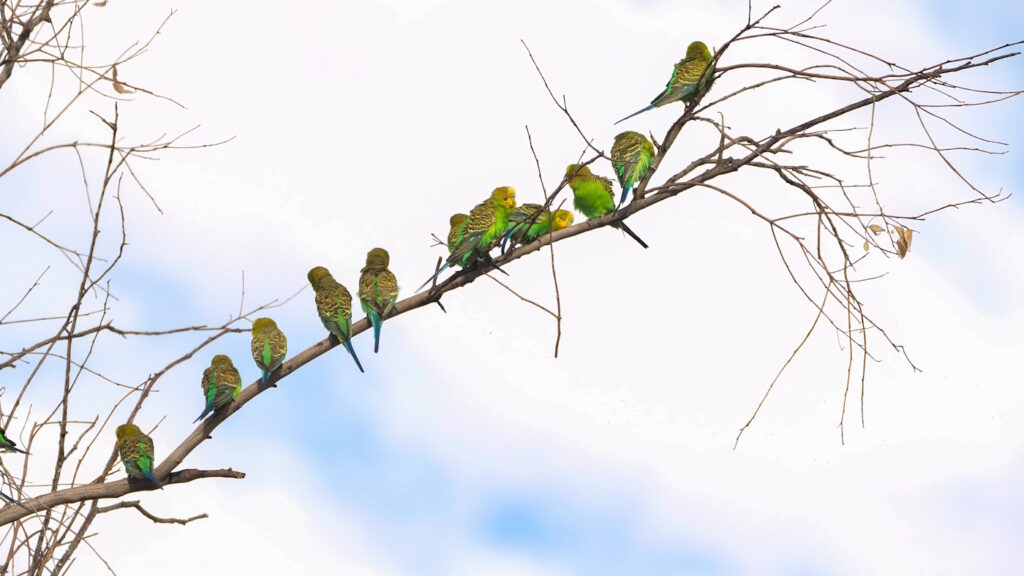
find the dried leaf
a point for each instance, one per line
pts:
(118, 87)
(865, 245)
(100, 3)
(876, 229)
(904, 237)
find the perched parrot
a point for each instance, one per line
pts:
(632, 160)
(488, 221)
(457, 228)
(593, 196)
(334, 306)
(8, 445)
(221, 384)
(378, 290)
(526, 225)
(136, 451)
(269, 346)
(682, 86)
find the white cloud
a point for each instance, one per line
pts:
(369, 124)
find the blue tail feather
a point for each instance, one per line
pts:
(376, 322)
(352, 351)
(640, 111)
(266, 377)
(436, 274)
(149, 476)
(206, 411)
(625, 194)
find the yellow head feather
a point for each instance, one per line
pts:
(317, 275)
(563, 219)
(220, 359)
(698, 50)
(457, 220)
(263, 324)
(125, 430)
(377, 258)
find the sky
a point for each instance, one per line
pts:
(466, 448)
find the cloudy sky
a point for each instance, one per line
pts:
(466, 448)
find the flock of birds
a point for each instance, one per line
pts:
(497, 221)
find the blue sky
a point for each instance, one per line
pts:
(446, 458)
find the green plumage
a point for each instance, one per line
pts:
(685, 82)
(334, 306)
(8, 445)
(269, 346)
(632, 159)
(457, 229)
(378, 290)
(136, 451)
(526, 225)
(592, 196)
(487, 224)
(488, 220)
(221, 384)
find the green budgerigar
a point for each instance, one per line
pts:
(378, 290)
(531, 221)
(686, 81)
(334, 306)
(632, 160)
(269, 346)
(592, 196)
(8, 445)
(221, 385)
(488, 222)
(136, 450)
(456, 230)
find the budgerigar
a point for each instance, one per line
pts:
(456, 230)
(378, 290)
(632, 160)
(269, 346)
(593, 197)
(526, 225)
(334, 306)
(136, 451)
(8, 445)
(686, 74)
(488, 221)
(221, 385)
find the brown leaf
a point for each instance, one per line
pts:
(865, 245)
(100, 3)
(118, 87)
(876, 229)
(904, 237)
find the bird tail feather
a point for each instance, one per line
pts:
(376, 322)
(640, 111)
(352, 351)
(622, 226)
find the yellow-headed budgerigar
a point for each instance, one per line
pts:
(531, 221)
(221, 384)
(488, 221)
(593, 196)
(632, 160)
(136, 450)
(686, 75)
(269, 346)
(334, 306)
(378, 290)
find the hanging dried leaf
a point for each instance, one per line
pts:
(100, 3)
(876, 229)
(904, 236)
(118, 87)
(865, 245)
